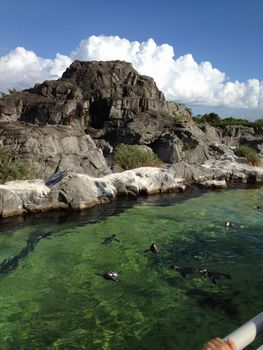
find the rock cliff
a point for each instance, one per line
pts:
(109, 101)
(91, 94)
(74, 123)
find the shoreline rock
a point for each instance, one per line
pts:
(67, 190)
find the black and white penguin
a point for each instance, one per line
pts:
(111, 275)
(110, 239)
(153, 248)
(185, 270)
(215, 276)
(229, 224)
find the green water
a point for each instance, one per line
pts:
(54, 300)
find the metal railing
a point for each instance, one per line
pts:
(248, 332)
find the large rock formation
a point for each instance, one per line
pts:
(91, 94)
(75, 121)
(109, 101)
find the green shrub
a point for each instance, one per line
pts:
(253, 159)
(211, 118)
(197, 119)
(132, 156)
(249, 153)
(9, 92)
(14, 168)
(259, 122)
(215, 120)
(183, 118)
(236, 121)
(188, 146)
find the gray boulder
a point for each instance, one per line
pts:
(168, 148)
(54, 148)
(10, 203)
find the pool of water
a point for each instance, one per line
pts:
(52, 297)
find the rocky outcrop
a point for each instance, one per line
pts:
(236, 135)
(112, 103)
(69, 190)
(109, 101)
(90, 94)
(73, 124)
(79, 191)
(54, 148)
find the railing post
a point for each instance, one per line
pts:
(247, 333)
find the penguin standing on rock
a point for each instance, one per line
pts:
(153, 248)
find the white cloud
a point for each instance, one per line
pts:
(21, 69)
(181, 79)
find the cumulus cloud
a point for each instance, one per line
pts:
(22, 68)
(181, 79)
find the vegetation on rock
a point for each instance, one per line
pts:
(183, 118)
(13, 168)
(249, 153)
(132, 156)
(215, 120)
(10, 91)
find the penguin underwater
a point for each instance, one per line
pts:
(153, 248)
(110, 239)
(110, 276)
(215, 276)
(184, 271)
(212, 275)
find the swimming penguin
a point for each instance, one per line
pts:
(110, 276)
(43, 235)
(257, 207)
(11, 264)
(34, 236)
(215, 276)
(153, 248)
(229, 224)
(184, 271)
(110, 239)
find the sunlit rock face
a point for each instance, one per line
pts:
(74, 123)
(91, 94)
(109, 101)
(79, 191)
(67, 190)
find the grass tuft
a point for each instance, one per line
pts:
(132, 156)
(14, 168)
(249, 153)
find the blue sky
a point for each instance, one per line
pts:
(225, 33)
